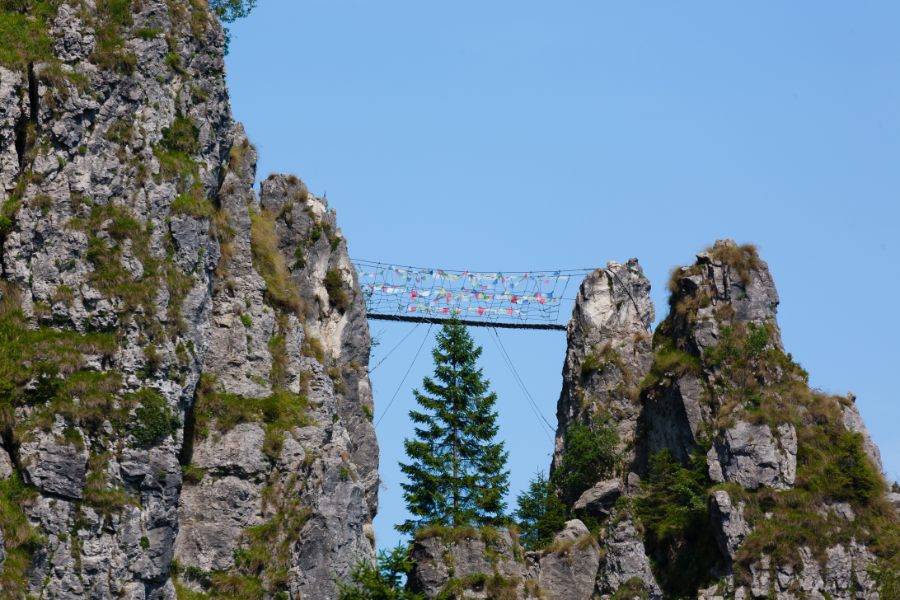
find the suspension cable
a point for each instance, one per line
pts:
(405, 375)
(405, 337)
(518, 379)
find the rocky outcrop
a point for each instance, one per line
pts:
(722, 423)
(753, 457)
(490, 563)
(187, 363)
(467, 562)
(729, 524)
(608, 352)
(625, 561)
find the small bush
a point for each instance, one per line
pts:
(631, 589)
(337, 295)
(192, 474)
(673, 509)
(670, 363)
(590, 457)
(21, 540)
(181, 136)
(383, 581)
(742, 259)
(153, 420)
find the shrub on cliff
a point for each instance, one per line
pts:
(382, 581)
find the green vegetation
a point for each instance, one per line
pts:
(540, 513)
(120, 132)
(267, 552)
(674, 511)
(382, 581)
(229, 11)
(337, 294)
(111, 53)
(632, 589)
(456, 471)
(669, 363)
(99, 494)
(269, 262)
(263, 560)
(597, 361)
(192, 474)
(279, 412)
(21, 541)
(108, 227)
(46, 369)
(24, 34)
(153, 420)
(590, 457)
(194, 205)
(743, 259)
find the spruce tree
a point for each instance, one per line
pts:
(456, 474)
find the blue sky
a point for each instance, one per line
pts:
(523, 135)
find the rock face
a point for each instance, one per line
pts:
(608, 351)
(491, 564)
(737, 479)
(186, 365)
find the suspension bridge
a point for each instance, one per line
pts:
(495, 299)
(507, 299)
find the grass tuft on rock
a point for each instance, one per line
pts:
(270, 263)
(220, 412)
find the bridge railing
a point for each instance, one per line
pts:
(519, 299)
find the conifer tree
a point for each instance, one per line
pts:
(456, 474)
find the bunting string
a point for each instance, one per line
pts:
(512, 297)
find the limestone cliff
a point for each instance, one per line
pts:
(184, 401)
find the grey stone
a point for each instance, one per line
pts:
(212, 518)
(729, 525)
(439, 560)
(53, 467)
(600, 498)
(753, 457)
(853, 422)
(626, 558)
(894, 499)
(236, 452)
(569, 572)
(6, 465)
(611, 317)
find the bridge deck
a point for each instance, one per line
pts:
(467, 322)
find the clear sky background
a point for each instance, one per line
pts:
(527, 135)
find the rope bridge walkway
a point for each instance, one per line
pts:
(515, 300)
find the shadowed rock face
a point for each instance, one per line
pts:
(156, 284)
